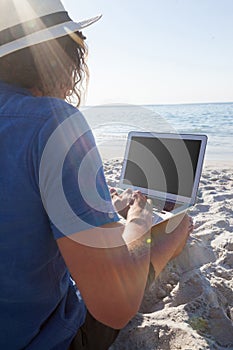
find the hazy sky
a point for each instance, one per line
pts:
(158, 51)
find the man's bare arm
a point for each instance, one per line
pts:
(112, 281)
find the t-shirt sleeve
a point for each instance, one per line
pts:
(71, 179)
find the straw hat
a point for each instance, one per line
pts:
(27, 22)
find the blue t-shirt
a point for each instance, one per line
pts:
(51, 184)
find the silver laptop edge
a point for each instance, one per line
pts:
(164, 195)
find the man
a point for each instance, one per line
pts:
(56, 216)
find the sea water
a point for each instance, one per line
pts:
(111, 124)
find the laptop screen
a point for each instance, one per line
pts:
(162, 164)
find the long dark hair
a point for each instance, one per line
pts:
(52, 66)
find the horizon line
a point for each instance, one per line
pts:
(153, 104)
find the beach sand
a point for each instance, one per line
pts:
(190, 305)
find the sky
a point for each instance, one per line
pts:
(158, 51)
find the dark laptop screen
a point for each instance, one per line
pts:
(165, 165)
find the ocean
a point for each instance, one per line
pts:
(111, 124)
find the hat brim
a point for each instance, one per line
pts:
(50, 33)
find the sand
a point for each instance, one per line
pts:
(190, 305)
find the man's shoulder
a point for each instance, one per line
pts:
(48, 108)
(17, 103)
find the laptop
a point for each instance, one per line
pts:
(166, 168)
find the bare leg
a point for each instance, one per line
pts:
(166, 246)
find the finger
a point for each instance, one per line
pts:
(128, 191)
(113, 192)
(127, 196)
(150, 202)
(150, 205)
(139, 200)
(131, 202)
(139, 194)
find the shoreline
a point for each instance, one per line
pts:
(115, 149)
(218, 164)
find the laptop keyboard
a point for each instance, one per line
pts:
(158, 204)
(162, 205)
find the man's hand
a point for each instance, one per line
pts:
(132, 205)
(140, 208)
(122, 201)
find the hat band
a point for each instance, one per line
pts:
(21, 30)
